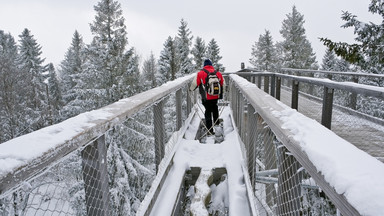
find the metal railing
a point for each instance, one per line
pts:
(347, 95)
(101, 162)
(97, 163)
(284, 179)
(328, 101)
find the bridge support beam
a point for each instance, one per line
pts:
(95, 174)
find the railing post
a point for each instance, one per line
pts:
(95, 174)
(159, 132)
(273, 85)
(243, 119)
(266, 84)
(326, 116)
(238, 110)
(353, 97)
(189, 101)
(289, 178)
(259, 81)
(278, 88)
(178, 110)
(311, 86)
(295, 95)
(251, 143)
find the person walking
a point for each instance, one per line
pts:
(210, 83)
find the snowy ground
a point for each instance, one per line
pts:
(191, 153)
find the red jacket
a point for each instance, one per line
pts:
(202, 76)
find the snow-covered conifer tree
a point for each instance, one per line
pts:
(183, 44)
(199, 53)
(297, 50)
(108, 61)
(149, 72)
(329, 61)
(73, 79)
(55, 101)
(12, 122)
(168, 61)
(368, 52)
(128, 82)
(72, 66)
(264, 56)
(31, 65)
(213, 53)
(343, 65)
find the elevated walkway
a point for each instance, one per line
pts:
(218, 185)
(145, 155)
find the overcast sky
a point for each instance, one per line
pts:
(235, 25)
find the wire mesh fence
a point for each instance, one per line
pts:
(109, 175)
(281, 185)
(351, 112)
(355, 101)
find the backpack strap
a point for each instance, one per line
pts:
(206, 71)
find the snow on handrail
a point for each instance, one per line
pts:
(339, 168)
(25, 156)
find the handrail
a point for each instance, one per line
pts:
(37, 150)
(276, 121)
(367, 90)
(357, 74)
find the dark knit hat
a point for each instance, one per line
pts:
(207, 62)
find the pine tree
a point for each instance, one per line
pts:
(368, 52)
(149, 72)
(72, 65)
(297, 50)
(31, 65)
(73, 81)
(128, 82)
(343, 65)
(329, 61)
(183, 44)
(199, 53)
(108, 60)
(11, 86)
(213, 53)
(55, 101)
(168, 61)
(264, 56)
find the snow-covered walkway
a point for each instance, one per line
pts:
(208, 156)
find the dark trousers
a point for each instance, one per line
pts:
(211, 109)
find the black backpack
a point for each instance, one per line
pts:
(212, 83)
